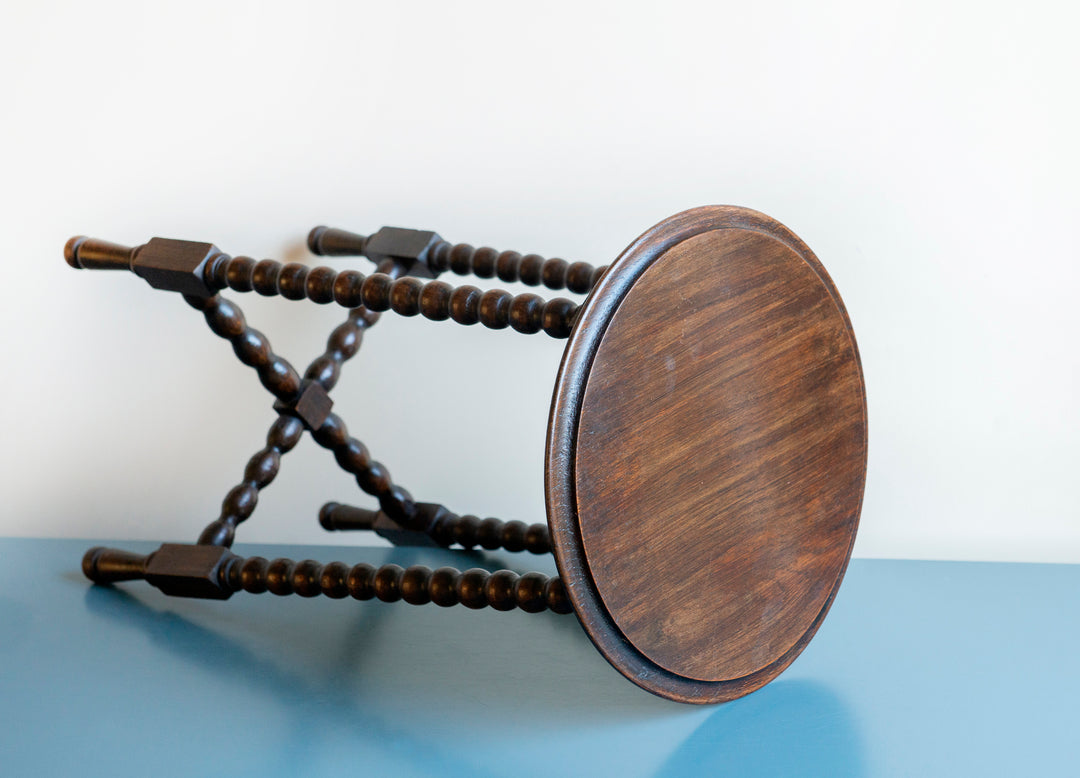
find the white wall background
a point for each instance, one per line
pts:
(926, 151)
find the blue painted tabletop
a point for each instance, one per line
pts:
(921, 668)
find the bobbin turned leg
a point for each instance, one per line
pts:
(301, 403)
(197, 270)
(260, 471)
(502, 590)
(407, 296)
(308, 408)
(212, 572)
(437, 256)
(434, 525)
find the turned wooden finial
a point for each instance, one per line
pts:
(331, 242)
(84, 253)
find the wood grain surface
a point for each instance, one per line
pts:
(707, 454)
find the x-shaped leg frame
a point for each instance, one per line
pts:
(403, 258)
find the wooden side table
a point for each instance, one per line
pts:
(706, 450)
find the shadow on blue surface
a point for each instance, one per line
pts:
(429, 653)
(923, 668)
(786, 728)
(311, 707)
(795, 727)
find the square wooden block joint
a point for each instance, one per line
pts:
(183, 570)
(312, 406)
(409, 248)
(175, 265)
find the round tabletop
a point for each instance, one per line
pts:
(707, 454)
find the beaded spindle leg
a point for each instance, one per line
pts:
(261, 469)
(625, 567)
(213, 572)
(208, 569)
(410, 295)
(371, 476)
(502, 590)
(342, 345)
(227, 320)
(463, 259)
(443, 528)
(281, 379)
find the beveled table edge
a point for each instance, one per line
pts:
(559, 488)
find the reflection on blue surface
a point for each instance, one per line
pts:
(920, 669)
(786, 728)
(312, 707)
(415, 690)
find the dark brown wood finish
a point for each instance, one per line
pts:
(214, 572)
(199, 270)
(707, 454)
(438, 255)
(706, 448)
